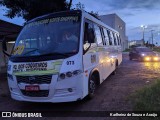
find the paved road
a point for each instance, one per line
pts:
(112, 95)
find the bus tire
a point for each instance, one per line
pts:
(116, 65)
(91, 87)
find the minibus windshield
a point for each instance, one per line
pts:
(58, 35)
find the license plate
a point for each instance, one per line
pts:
(32, 88)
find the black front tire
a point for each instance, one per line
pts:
(91, 87)
(114, 72)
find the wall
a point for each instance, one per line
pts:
(118, 24)
(135, 42)
(3, 58)
(109, 20)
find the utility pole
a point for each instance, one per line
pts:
(143, 27)
(152, 38)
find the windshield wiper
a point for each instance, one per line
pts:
(30, 51)
(56, 53)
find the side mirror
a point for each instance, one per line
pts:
(4, 45)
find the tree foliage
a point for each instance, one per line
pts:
(94, 14)
(80, 6)
(29, 9)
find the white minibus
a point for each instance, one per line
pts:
(62, 57)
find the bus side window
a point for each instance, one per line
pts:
(89, 36)
(98, 35)
(110, 37)
(115, 39)
(106, 37)
(120, 42)
(103, 37)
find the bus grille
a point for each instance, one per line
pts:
(41, 93)
(39, 79)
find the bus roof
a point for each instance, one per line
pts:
(61, 13)
(72, 12)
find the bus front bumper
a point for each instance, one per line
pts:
(52, 100)
(58, 91)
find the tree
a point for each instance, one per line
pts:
(70, 4)
(147, 44)
(94, 14)
(80, 6)
(29, 9)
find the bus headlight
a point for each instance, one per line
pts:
(147, 58)
(69, 74)
(142, 54)
(76, 72)
(62, 76)
(155, 58)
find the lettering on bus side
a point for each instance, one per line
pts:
(93, 58)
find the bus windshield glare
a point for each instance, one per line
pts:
(49, 36)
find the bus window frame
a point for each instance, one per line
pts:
(106, 36)
(111, 42)
(115, 39)
(120, 39)
(98, 27)
(103, 36)
(92, 44)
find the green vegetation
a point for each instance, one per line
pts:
(148, 99)
(29, 9)
(126, 50)
(157, 49)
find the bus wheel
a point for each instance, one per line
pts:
(114, 72)
(91, 87)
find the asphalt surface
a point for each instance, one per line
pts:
(112, 95)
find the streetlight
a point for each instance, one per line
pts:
(143, 27)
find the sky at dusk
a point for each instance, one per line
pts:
(133, 12)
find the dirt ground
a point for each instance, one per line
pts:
(112, 95)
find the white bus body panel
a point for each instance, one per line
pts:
(58, 89)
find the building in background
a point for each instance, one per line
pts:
(9, 31)
(135, 43)
(115, 22)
